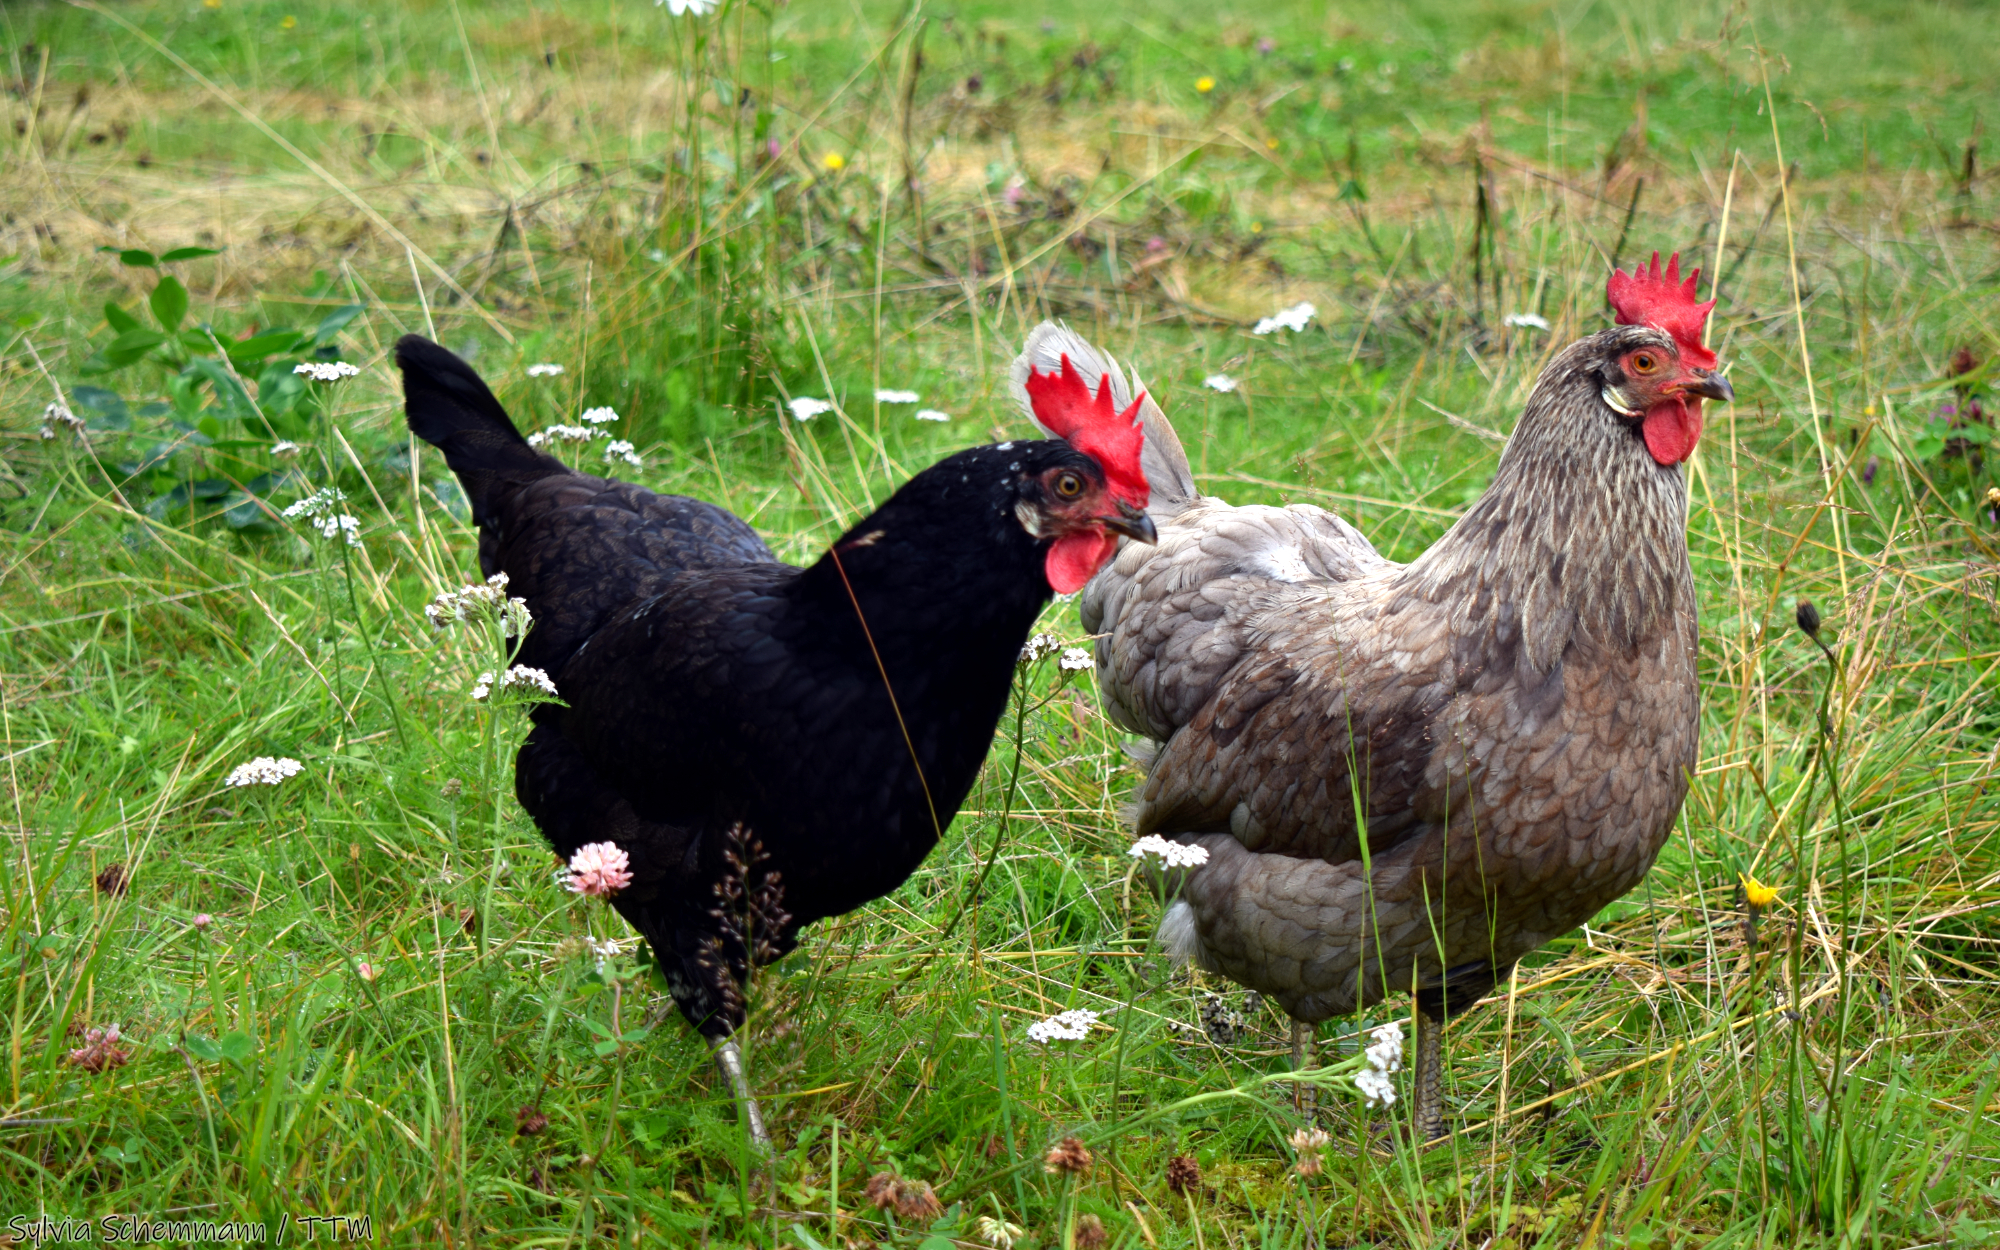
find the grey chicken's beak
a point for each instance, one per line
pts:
(1131, 522)
(1711, 385)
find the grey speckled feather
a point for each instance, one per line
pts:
(1408, 774)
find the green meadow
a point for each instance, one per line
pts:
(363, 990)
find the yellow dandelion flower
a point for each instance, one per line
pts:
(1204, 84)
(1759, 894)
(833, 162)
(290, 22)
(1271, 144)
(211, 4)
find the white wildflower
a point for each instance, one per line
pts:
(599, 416)
(264, 771)
(532, 681)
(1386, 1054)
(321, 509)
(1526, 321)
(604, 950)
(805, 407)
(897, 397)
(480, 602)
(1293, 318)
(1039, 646)
(1075, 660)
(1172, 854)
(1219, 382)
(1375, 1086)
(564, 434)
(997, 1233)
(932, 414)
(57, 414)
(681, 8)
(1067, 1026)
(544, 370)
(284, 447)
(620, 449)
(326, 370)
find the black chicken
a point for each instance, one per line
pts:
(771, 745)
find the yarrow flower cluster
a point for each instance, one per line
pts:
(533, 681)
(1384, 1055)
(564, 434)
(620, 449)
(480, 603)
(1219, 382)
(599, 416)
(1067, 1026)
(1293, 319)
(284, 447)
(805, 407)
(896, 397)
(932, 414)
(326, 370)
(544, 370)
(322, 510)
(1075, 660)
(681, 8)
(1039, 646)
(264, 771)
(57, 416)
(1525, 321)
(599, 870)
(1171, 854)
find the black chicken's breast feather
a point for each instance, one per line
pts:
(707, 684)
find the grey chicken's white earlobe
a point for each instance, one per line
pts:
(1615, 400)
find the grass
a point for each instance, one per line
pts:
(649, 201)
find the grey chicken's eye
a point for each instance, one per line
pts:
(1645, 362)
(1069, 485)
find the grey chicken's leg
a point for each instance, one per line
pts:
(730, 1059)
(1302, 1057)
(1429, 1076)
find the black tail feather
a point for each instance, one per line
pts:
(449, 407)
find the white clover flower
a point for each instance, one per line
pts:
(1293, 318)
(1375, 1086)
(532, 681)
(1075, 660)
(932, 414)
(1172, 854)
(805, 407)
(1219, 382)
(1525, 321)
(284, 447)
(599, 870)
(564, 434)
(1037, 647)
(1386, 1054)
(480, 602)
(326, 370)
(599, 416)
(544, 370)
(264, 771)
(681, 8)
(57, 414)
(1067, 1026)
(619, 449)
(897, 397)
(997, 1233)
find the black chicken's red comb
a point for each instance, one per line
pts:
(1090, 423)
(1648, 297)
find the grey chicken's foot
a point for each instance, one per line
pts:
(1302, 1057)
(729, 1058)
(1429, 1078)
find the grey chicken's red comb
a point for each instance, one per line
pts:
(1649, 297)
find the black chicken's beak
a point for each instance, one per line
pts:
(1711, 385)
(1131, 522)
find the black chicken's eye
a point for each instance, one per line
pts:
(1645, 362)
(1069, 486)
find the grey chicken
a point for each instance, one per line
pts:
(1408, 776)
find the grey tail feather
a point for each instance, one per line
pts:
(1168, 475)
(450, 407)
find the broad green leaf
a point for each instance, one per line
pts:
(189, 253)
(169, 302)
(202, 1048)
(119, 320)
(131, 347)
(236, 1047)
(138, 258)
(269, 343)
(334, 322)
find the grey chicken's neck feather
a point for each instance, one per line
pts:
(1581, 534)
